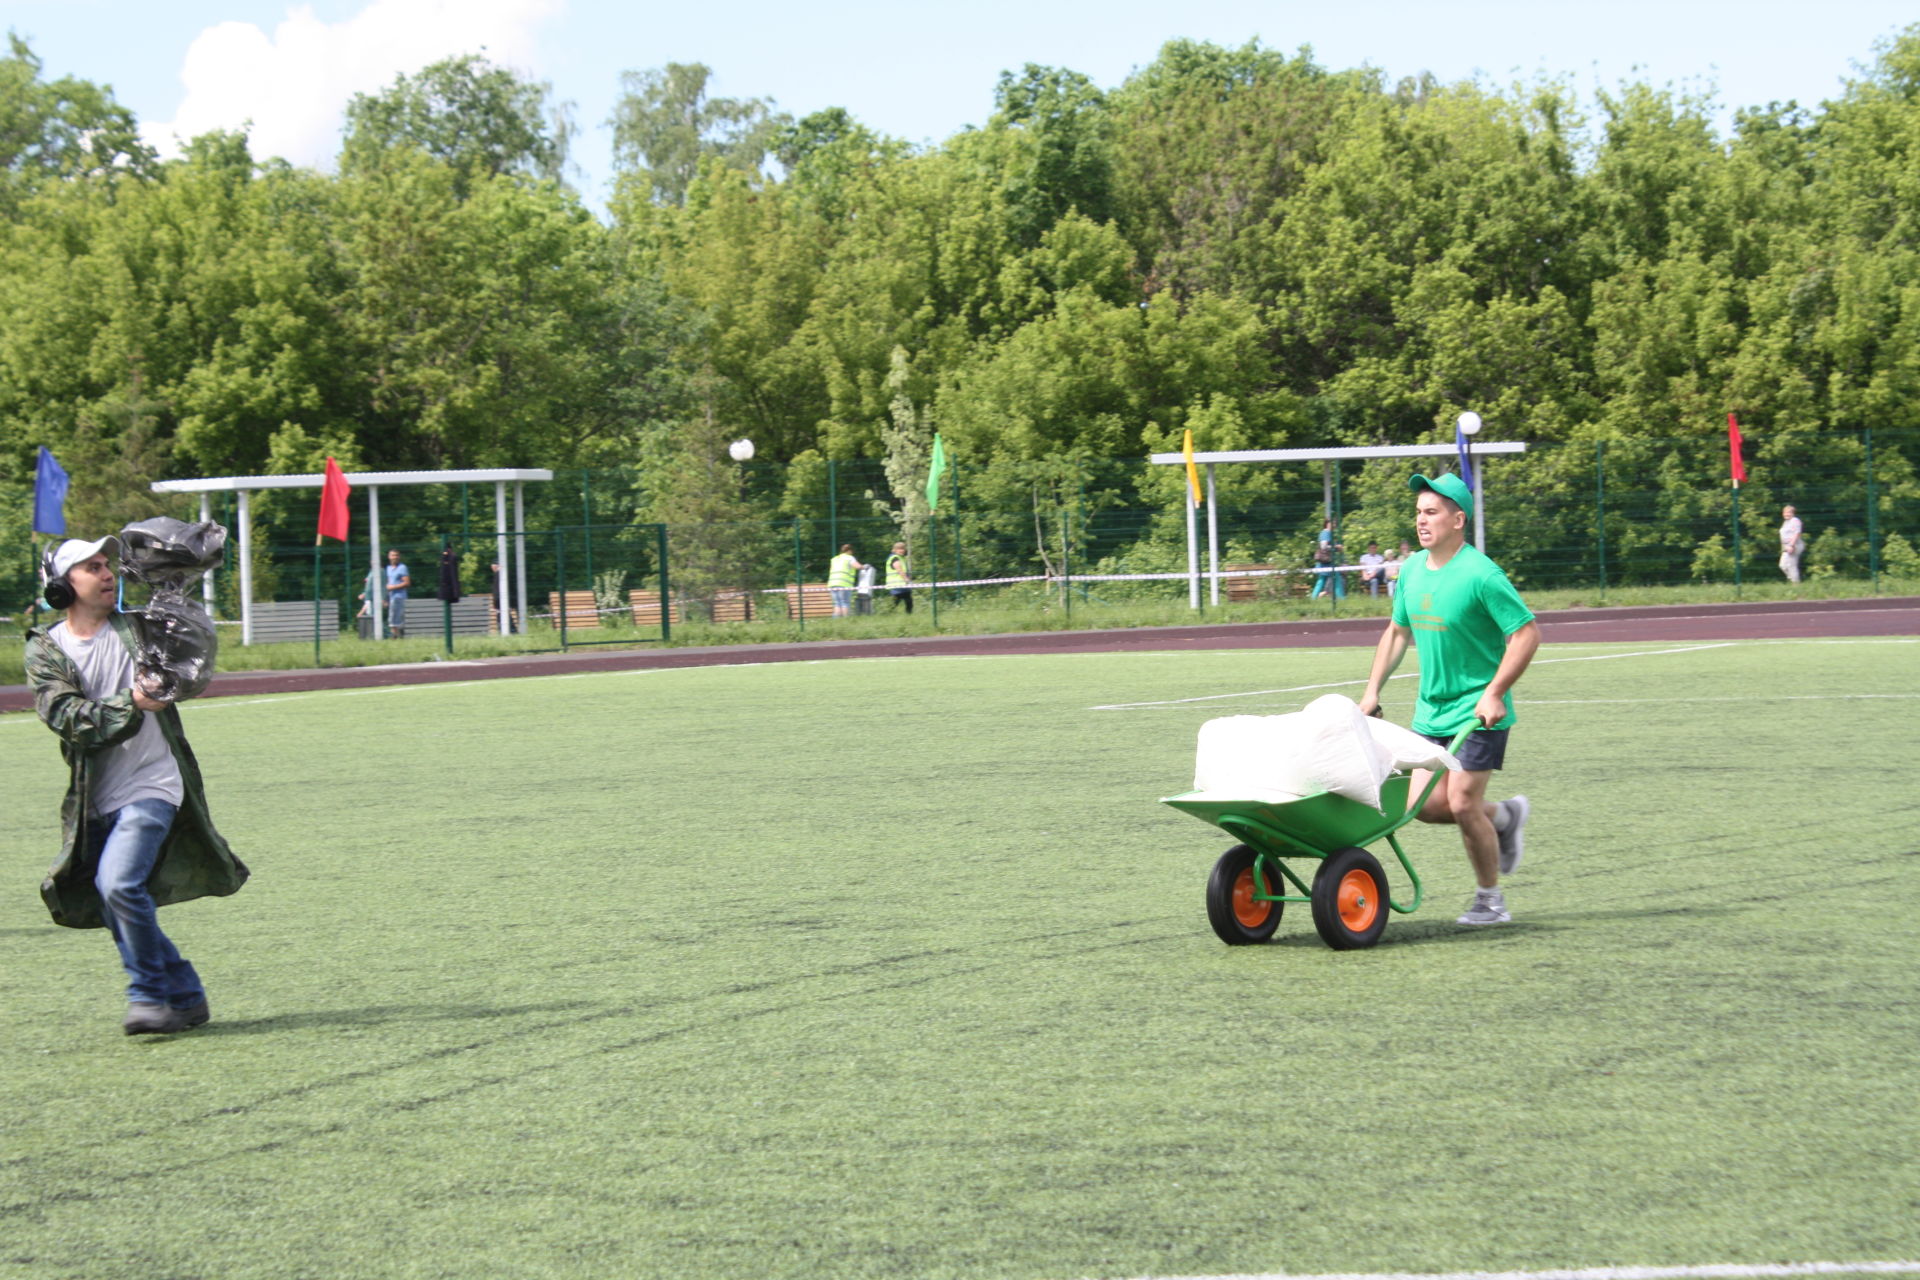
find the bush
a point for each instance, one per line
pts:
(1834, 554)
(1898, 559)
(1712, 562)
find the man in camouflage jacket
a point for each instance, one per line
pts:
(85, 889)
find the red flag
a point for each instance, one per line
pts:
(333, 504)
(1733, 446)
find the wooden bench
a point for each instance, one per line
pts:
(1265, 587)
(581, 610)
(813, 597)
(733, 606)
(1237, 590)
(646, 608)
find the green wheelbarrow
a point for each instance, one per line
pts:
(1249, 886)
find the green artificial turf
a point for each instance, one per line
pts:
(896, 968)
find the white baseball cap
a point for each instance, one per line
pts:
(74, 550)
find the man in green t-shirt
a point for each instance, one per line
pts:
(1475, 637)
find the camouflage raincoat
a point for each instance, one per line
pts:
(195, 861)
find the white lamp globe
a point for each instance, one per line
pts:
(1469, 423)
(740, 450)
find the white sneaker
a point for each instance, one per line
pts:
(1489, 906)
(1513, 839)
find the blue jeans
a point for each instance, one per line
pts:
(127, 843)
(396, 610)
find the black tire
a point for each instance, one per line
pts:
(1350, 900)
(1246, 921)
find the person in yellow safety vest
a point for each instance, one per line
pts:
(841, 573)
(898, 577)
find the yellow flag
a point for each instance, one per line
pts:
(1193, 472)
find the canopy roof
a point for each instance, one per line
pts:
(358, 479)
(1344, 452)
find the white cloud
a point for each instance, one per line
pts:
(295, 84)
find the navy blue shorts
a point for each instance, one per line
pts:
(1484, 750)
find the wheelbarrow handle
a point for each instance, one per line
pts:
(1433, 779)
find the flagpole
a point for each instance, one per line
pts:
(1193, 531)
(1737, 471)
(936, 463)
(316, 600)
(1736, 539)
(1193, 556)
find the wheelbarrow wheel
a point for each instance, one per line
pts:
(1350, 900)
(1235, 914)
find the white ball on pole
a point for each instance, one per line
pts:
(740, 450)
(1469, 423)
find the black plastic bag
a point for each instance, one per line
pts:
(174, 658)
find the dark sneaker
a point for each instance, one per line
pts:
(195, 1014)
(1489, 906)
(1513, 839)
(153, 1020)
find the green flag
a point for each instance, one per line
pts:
(934, 469)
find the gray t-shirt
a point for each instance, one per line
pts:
(141, 767)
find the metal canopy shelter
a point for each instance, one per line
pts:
(373, 481)
(1326, 458)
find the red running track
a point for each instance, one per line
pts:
(1879, 616)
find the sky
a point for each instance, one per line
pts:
(916, 71)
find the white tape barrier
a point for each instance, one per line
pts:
(817, 589)
(1223, 575)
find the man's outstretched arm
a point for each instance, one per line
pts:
(1386, 657)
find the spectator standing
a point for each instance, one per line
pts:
(398, 580)
(363, 620)
(899, 574)
(1793, 543)
(842, 572)
(1326, 554)
(136, 834)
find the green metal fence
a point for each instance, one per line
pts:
(1588, 516)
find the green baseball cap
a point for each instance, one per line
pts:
(1448, 486)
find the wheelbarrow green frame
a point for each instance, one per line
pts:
(1317, 827)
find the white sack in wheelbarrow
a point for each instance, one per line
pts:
(1328, 746)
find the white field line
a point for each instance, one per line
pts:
(1743, 697)
(26, 717)
(1343, 684)
(1186, 655)
(1715, 1271)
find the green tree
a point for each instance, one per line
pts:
(1064, 162)
(665, 124)
(479, 119)
(483, 322)
(1209, 146)
(59, 130)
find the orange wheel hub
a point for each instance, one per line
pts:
(1247, 909)
(1359, 901)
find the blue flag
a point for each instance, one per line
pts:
(1466, 459)
(49, 496)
